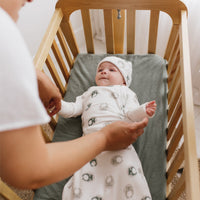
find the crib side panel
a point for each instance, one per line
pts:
(55, 57)
(181, 148)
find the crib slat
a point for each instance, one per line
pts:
(174, 78)
(171, 41)
(119, 30)
(191, 165)
(174, 81)
(48, 38)
(87, 30)
(46, 136)
(55, 75)
(153, 30)
(175, 165)
(178, 188)
(175, 86)
(109, 28)
(176, 63)
(174, 45)
(174, 53)
(130, 31)
(53, 123)
(60, 61)
(177, 134)
(173, 101)
(69, 35)
(175, 117)
(65, 48)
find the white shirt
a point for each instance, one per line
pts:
(20, 105)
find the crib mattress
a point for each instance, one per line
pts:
(149, 82)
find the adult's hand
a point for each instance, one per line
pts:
(120, 135)
(49, 93)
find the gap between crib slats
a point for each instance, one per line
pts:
(174, 118)
(87, 30)
(178, 188)
(55, 74)
(153, 30)
(171, 41)
(130, 31)
(60, 60)
(175, 165)
(177, 134)
(65, 48)
(69, 35)
(109, 28)
(119, 31)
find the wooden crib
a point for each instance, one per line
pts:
(60, 41)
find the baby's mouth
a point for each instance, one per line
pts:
(103, 78)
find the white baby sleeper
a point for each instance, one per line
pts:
(112, 175)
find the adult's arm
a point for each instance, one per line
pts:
(49, 93)
(26, 161)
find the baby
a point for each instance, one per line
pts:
(112, 174)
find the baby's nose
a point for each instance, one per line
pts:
(104, 72)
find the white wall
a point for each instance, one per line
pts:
(33, 21)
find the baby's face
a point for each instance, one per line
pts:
(108, 74)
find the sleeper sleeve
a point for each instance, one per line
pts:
(71, 109)
(134, 111)
(138, 113)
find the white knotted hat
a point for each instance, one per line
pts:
(124, 66)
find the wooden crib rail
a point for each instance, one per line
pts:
(115, 27)
(181, 118)
(170, 6)
(191, 167)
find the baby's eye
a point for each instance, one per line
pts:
(100, 70)
(111, 70)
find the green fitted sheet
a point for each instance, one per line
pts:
(149, 82)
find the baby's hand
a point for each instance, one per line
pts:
(151, 108)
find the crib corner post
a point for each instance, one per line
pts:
(191, 165)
